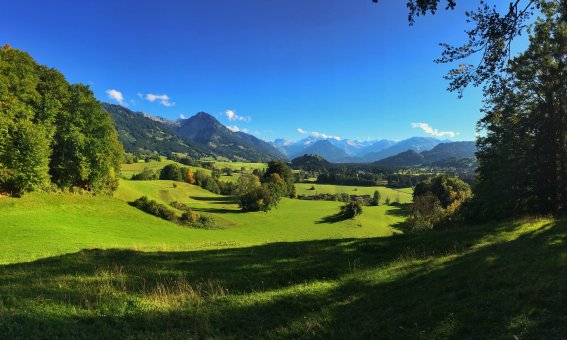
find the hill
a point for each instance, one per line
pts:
(139, 132)
(206, 130)
(407, 158)
(310, 163)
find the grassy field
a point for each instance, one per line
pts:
(67, 223)
(494, 281)
(76, 266)
(404, 194)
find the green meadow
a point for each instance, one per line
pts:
(97, 268)
(76, 265)
(309, 189)
(63, 223)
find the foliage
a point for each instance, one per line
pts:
(375, 198)
(284, 173)
(146, 175)
(426, 212)
(523, 149)
(491, 37)
(449, 190)
(52, 131)
(154, 208)
(436, 201)
(351, 209)
(172, 172)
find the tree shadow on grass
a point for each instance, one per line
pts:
(217, 210)
(216, 200)
(443, 284)
(333, 219)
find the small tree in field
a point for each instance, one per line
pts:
(375, 198)
(190, 176)
(351, 209)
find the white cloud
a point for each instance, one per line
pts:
(235, 128)
(233, 117)
(431, 131)
(181, 116)
(117, 96)
(163, 99)
(318, 134)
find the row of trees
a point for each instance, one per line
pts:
(52, 133)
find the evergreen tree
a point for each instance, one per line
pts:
(523, 153)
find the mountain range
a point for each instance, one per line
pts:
(351, 151)
(441, 152)
(203, 135)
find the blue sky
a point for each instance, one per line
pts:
(346, 68)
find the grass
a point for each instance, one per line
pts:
(68, 223)
(493, 281)
(404, 194)
(76, 266)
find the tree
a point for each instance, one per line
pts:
(376, 198)
(449, 190)
(284, 172)
(523, 148)
(171, 172)
(51, 130)
(351, 209)
(190, 176)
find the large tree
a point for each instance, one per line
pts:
(523, 148)
(51, 130)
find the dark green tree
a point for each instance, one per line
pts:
(284, 172)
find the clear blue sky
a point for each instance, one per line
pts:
(346, 68)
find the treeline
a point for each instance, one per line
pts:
(523, 148)
(174, 172)
(52, 134)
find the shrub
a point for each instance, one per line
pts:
(351, 209)
(154, 208)
(145, 175)
(426, 212)
(171, 172)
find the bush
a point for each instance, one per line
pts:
(145, 175)
(426, 212)
(154, 208)
(171, 172)
(351, 209)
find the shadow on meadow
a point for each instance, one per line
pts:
(456, 283)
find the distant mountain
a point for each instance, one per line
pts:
(204, 129)
(352, 147)
(377, 146)
(442, 154)
(140, 133)
(417, 144)
(325, 149)
(456, 150)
